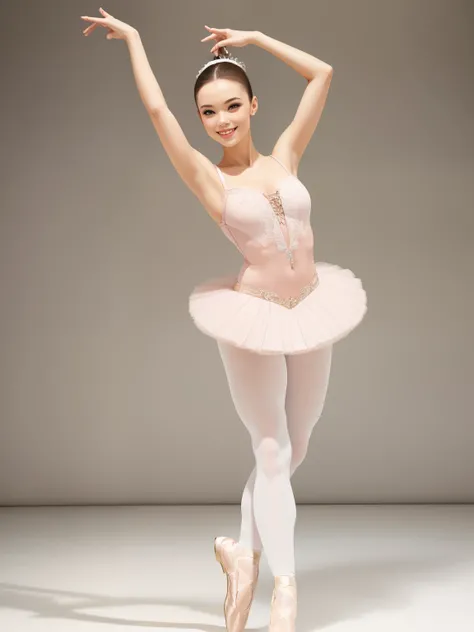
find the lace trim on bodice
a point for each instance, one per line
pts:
(288, 302)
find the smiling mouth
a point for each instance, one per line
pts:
(227, 132)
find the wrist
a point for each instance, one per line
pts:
(131, 35)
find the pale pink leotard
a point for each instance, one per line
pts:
(274, 235)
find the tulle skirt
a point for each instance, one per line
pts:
(329, 313)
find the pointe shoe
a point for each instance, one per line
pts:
(242, 568)
(284, 604)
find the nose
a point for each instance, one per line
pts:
(222, 122)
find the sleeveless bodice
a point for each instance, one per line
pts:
(281, 302)
(274, 235)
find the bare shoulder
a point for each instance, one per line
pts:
(208, 187)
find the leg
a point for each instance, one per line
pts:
(307, 383)
(258, 387)
(308, 379)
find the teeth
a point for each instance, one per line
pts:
(227, 133)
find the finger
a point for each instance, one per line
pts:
(105, 12)
(99, 21)
(89, 29)
(217, 30)
(209, 37)
(221, 44)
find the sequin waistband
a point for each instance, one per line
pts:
(289, 302)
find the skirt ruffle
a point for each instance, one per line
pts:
(328, 314)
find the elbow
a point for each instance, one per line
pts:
(329, 70)
(322, 72)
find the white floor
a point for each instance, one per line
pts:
(407, 568)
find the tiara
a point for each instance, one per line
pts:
(225, 56)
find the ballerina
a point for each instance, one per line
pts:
(276, 321)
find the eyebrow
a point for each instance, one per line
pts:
(228, 100)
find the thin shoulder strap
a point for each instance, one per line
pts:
(279, 162)
(221, 177)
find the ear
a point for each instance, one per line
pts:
(254, 106)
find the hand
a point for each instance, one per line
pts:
(116, 29)
(228, 37)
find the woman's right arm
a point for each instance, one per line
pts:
(193, 167)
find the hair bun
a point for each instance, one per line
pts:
(223, 51)
(222, 54)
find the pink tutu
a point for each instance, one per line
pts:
(328, 314)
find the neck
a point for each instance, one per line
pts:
(242, 155)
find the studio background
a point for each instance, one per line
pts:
(109, 394)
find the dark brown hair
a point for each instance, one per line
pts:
(223, 70)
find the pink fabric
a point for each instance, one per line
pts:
(249, 221)
(222, 307)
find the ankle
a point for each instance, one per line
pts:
(285, 580)
(255, 553)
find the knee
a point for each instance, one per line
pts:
(273, 457)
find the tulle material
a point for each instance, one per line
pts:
(336, 306)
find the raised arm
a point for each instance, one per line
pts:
(293, 141)
(192, 166)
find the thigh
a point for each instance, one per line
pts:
(257, 385)
(307, 384)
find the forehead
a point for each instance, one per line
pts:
(218, 91)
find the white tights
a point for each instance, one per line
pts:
(279, 398)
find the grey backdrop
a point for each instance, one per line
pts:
(109, 394)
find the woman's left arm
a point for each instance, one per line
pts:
(295, 138)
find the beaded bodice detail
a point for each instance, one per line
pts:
(277, 205)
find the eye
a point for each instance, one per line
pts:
(231, 106)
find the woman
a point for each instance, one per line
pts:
(274, 323)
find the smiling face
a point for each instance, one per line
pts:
(223, 104)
